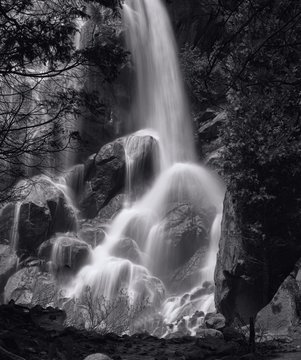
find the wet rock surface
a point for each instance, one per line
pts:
(8, 264)
(30, 286)
(38, 334)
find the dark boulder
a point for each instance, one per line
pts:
(45, 210)
(7, 215)
(66, 252)
(249, 269)
(106, 179)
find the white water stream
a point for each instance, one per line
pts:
(159, 105)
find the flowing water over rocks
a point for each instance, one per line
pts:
(136, 228)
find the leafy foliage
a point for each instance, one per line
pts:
(255, 65)
(40, 66)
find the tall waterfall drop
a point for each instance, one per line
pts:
(174, 223)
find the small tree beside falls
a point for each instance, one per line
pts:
(40, 69)
(262, 135)
(95, 312)
(252, 71)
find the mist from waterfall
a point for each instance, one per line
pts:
(159, 111)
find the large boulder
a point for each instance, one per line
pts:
(250, 266)
(66, 252)
(97, 357)
(30, 286)
(279, 318)
(106, 179)
(46, 209)
(7, 216)
(237, 283)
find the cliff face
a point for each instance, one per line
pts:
(249, 271)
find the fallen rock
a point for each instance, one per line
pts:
(66, 252)
(29, 287)
(278, 319)
(209, 333)
(92, 235)
(215, 321)
(97, 357)
(45, 210)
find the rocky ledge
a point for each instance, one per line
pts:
(38, 334)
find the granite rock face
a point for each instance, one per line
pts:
(249, 270)
(279, 318)
(45, 210)
(105, 181)
(238, 281)
(30, 286)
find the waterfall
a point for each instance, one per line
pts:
(160, 108)
(14, 236)
(160, 102)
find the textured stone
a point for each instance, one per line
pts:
(65, 251)
(185, 232)
(106, 178)
(30, 286)
(127, 249)
(249, 269)
(280, 316)
(237, 278)
(188, 275)
(209, 333)
(97, 357)
(45, 210)
(215, 321)
(8, 264)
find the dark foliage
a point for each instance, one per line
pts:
(40, 67)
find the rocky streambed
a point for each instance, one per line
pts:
(39, 334)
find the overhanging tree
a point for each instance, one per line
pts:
(39, 65)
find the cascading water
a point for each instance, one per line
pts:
(160, 102)
(160, 105)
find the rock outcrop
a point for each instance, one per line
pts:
(105, 182)
(66, 252)
(38, 334)
(238, 287)
(249, 269)
(30, 286)
(281, 316)
(45, 210)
